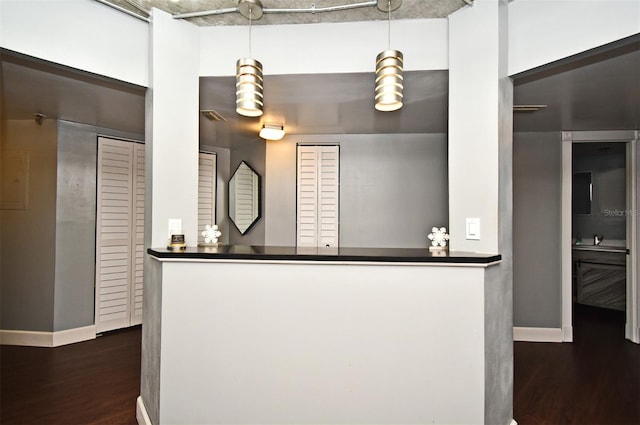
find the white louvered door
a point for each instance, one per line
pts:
(119, 234)
(246, 201)
(137, 235)
(318, 196)
(206, 192)
(307, 199)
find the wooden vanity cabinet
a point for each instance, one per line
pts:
(601, 278)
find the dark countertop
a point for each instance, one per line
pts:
(288, 253)
(601, 248)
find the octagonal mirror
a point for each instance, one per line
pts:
(244, 197)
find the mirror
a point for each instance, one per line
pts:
(582, 193)
(244, 197)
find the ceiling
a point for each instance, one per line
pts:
(32, 86)
(409, 9)
(596, 91)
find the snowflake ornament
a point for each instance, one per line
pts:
(438, 238)
(211, 234)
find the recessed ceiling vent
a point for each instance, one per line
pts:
(528, 108)
(212, 115)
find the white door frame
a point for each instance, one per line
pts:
(632, 327)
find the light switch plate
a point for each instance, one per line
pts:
(473, 228)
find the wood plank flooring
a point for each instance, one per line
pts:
(595, 380)
(92, 382)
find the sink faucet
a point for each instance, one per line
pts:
(597, 239)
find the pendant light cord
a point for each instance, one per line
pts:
(389, 27)
(250, 18)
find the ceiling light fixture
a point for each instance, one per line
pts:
(272, 131)
(249, 80)
(389, 64)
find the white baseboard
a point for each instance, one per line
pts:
(537, 334)
(70, 336)
(47, 339)
(141, 413)
(28, 338)
(567, 334)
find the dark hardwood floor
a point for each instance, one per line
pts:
(595, 380)
(92, 382)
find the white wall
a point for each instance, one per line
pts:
(172, 129)
(87, 35)
(541, 32)
(322, 343)
(82, 34)
(478, 122)
(324, 48)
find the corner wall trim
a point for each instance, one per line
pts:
(47, 339)
(141, 413)
(537, 334)
(567, 334)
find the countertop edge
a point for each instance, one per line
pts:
(204, 254)
(598, 248)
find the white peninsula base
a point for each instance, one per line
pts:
(257, 342)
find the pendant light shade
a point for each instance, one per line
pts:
(249, 87)
(272, 131)
(389, 65)
(389, 81)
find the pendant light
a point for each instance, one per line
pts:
(389, 64)
(249, 80)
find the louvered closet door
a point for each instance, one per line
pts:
(328, 175)
(206, 192)
(119, 234)
(307, 223)
(318, 196)
(137, 233)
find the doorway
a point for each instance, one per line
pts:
(595, 209)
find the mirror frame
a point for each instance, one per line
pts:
(258, 197)
(578, 179)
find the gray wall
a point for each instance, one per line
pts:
(607, 164)
(498, 289)
(635, 257)
(28, 236)
(537, 195)
(76, 222)
(255, 156)
(151, 332)
(393, 188)
(49, 249)
(75, 227)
